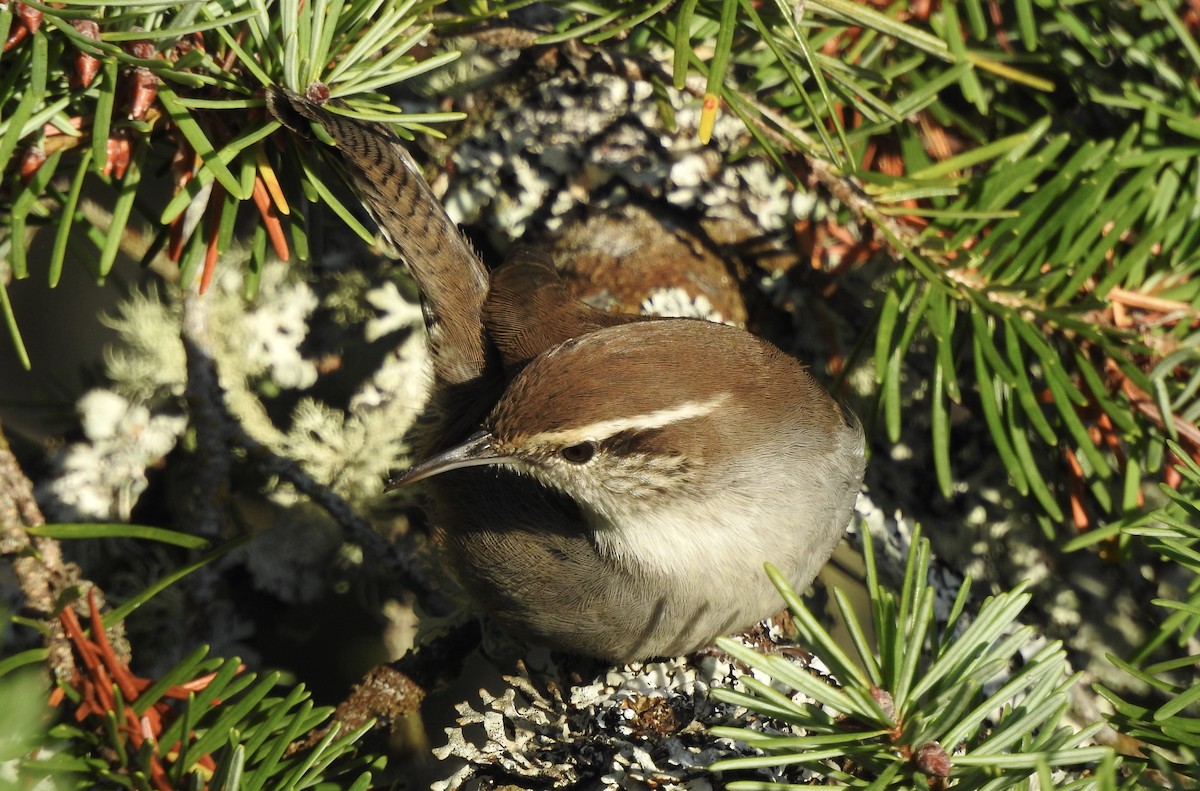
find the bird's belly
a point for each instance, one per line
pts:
(538, 570)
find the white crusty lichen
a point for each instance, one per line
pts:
(101, 477)
(595, 140)
(644, 725)
(393, 312)
(676, 302)
(264, 334)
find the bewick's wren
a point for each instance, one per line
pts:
(603, 484)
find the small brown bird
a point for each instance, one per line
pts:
(603, 484)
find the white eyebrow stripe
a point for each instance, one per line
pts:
(603, 429)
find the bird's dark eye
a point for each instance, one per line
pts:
(579, 454)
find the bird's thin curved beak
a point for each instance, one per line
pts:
(475, 451)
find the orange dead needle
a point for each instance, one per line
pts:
(708, 117)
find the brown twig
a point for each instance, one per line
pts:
(37, 562)
(208, 416)
(1147, 406)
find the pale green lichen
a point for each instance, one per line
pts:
(148, 363)
(258, 350)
